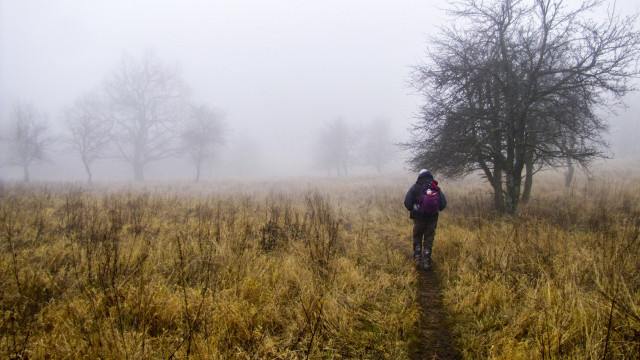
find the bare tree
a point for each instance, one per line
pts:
(376, 144)
(202, 133)
(29, 137)
(146, 100)
(335, 146)
(504, 90)
(89, 127)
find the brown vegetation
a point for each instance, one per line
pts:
(211, 273)
(560, 281)
(291, 270)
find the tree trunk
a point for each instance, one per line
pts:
(495, 180)
(138, 171)
(512, 199)
(139, 155)
(570, 171)
(518, 155)
(498, 195)
(197, 172)
(528, 181)
(88, 170)
(513, 184)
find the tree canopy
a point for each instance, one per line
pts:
(202, 132)
(147, 99)
(89, 129)
(518, 87)
(30, 139)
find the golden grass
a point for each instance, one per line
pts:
(228, 273)
(560, 281)
(314, 269)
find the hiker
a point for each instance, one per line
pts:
(424, 200)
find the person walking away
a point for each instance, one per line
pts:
(424, 200)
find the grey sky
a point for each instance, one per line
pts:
(279, 69)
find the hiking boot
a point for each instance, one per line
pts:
(426, 264)
(426, 258)
(417, 251)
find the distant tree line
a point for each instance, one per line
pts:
(142, 113)
(341, 147)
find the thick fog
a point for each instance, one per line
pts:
(280, 71)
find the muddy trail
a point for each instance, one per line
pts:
(436, 341)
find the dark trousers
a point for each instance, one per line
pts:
(424, 231)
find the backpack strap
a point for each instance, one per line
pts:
(418, 193)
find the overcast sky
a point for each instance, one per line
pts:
(279, 69)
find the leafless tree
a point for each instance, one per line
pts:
(335, 147)
(89, 127)
(146, 99)
(376, 144)
(505, 89)
(30, 140)
(202, 133)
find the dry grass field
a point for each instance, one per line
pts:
(256, 270)
(314, 269)
(562, 281)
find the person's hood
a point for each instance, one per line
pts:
(425, 176)
(424, 172)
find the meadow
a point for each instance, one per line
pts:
(314, 268)
(561, 281)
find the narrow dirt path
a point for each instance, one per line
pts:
(436, 338)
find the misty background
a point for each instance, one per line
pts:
(280, 71)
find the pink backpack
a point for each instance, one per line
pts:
(429, 199)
